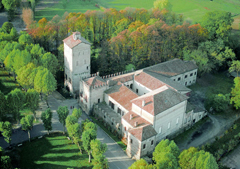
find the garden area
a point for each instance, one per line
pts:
(51, 151)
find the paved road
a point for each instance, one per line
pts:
(116, 156)
(233, 159)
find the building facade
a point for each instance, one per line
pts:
(143, 106)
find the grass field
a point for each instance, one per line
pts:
(7, 81)
(53, 152)
(192, 10)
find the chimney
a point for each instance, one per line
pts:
(131, 116)
(143, 103)
(76, 35)
(136, 124)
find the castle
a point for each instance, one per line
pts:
(143, 106)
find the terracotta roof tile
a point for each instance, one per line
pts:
(123, 95)
(159, 100)
(143, 133)
(135, 118)
(95, 81)
(148, 81)
(70, 42)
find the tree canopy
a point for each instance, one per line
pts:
(27, 124)
(235, 99)
(62, 112)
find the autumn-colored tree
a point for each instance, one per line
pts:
(28, 16)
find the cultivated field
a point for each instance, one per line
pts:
(193, 10)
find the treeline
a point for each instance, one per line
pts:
(31, 65)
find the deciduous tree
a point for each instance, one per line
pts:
(3, 103)
(6, 129)
(27, 124)
(32, 100)
(87, 137)
(235, 66)
(62, 112)
(139, 164)
(77, 113)
(235, 99)
(46, 118)
(97, 148)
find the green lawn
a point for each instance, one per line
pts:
(7, 81)
(53, 152)
(192, 9)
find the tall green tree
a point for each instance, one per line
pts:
(50, 62)
(45, 83)
(235, 66)
(17, 102)
(186, 156)
(26, 75)
(62, 112)
(10, 6)
(235, 99)
(6, 129)
(165, 154)
(87, 137)
(27, 124)
(218, 24)
(139, 164)
(77, 113)
(100, 161)
(6, 27)
(25, 39)
(75, 133)
(32, 100)
(97, 148)
(46, 118)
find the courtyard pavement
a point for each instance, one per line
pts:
(233, 159)
(117, 158)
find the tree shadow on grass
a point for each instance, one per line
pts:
(53, 151)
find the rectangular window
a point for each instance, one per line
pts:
(112, 106)
(131, 141)
(160, 130)
(185, 76)
(191, 74)
(87, 67)
(99, 100)
(110, 103)
(179, 78)
(195, 73)
(136, 90)
(169, 125)
(152, 142)
(119, 111)
(144, 146)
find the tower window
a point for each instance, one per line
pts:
(136, 90)
(144, 146)
(87, 67)
(152, 142)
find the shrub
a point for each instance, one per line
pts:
(235, 126)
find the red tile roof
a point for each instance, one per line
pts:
(148, 81)
(136, 118)
(123, 95)
(144, 132)
(95, 81)
(123, 78)
(70, 42)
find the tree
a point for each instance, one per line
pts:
(5, 162)
(97, 148)
(27, 16)
(25, 39)
(17, 102)
(6, 129)
(87, 137)
(100, 162)
(45, 83)
(139, 164)
(163, 4)
(236, 93)
(235, 66)
(165, 154)
(46, 118)
(10, 6)
(77, 113)
(50, 62)
(89, 126)
(26, 75)
(218, 24)
(2, 105)
(32, 100)
(21, 59)
(219, 102)
(7, 26)
(75, 133)
(27, 124)
(62, 112)
(186, 156)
